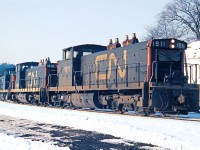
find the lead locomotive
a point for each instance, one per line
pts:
(146, 76)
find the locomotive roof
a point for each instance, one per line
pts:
(28, 63)
(86, 48)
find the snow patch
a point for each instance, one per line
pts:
(9, 142)
(117, 141)
(170, 134)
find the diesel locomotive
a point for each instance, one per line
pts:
(145, 77)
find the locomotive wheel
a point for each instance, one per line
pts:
(39, 103)
(146, 112)
(46, 104)
(122, 108)
(185, 112)
(114, 106)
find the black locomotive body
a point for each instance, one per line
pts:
(69, 69)
(30, 81)
(146, 76)
(6, 79)
(20, 82)
(41, 76)
(6, 82)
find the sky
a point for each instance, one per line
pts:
(31, 30)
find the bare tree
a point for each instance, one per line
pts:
(164, 29)
(179, 19)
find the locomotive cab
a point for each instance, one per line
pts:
(168, 88)
(69, 68)
(166, 60)
(6, 79)
(21, 68)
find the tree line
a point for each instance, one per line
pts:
(179, 19)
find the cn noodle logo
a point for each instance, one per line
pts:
(111, 58)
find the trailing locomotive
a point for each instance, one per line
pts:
(146, 76)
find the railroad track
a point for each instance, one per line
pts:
(107, 111)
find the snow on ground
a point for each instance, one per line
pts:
(10, 143)
(166, 133)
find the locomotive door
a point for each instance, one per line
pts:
(77, 81)
(77, 78)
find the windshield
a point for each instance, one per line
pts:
(169, 55)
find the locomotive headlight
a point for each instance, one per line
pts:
(172, 41)
(172, 46)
